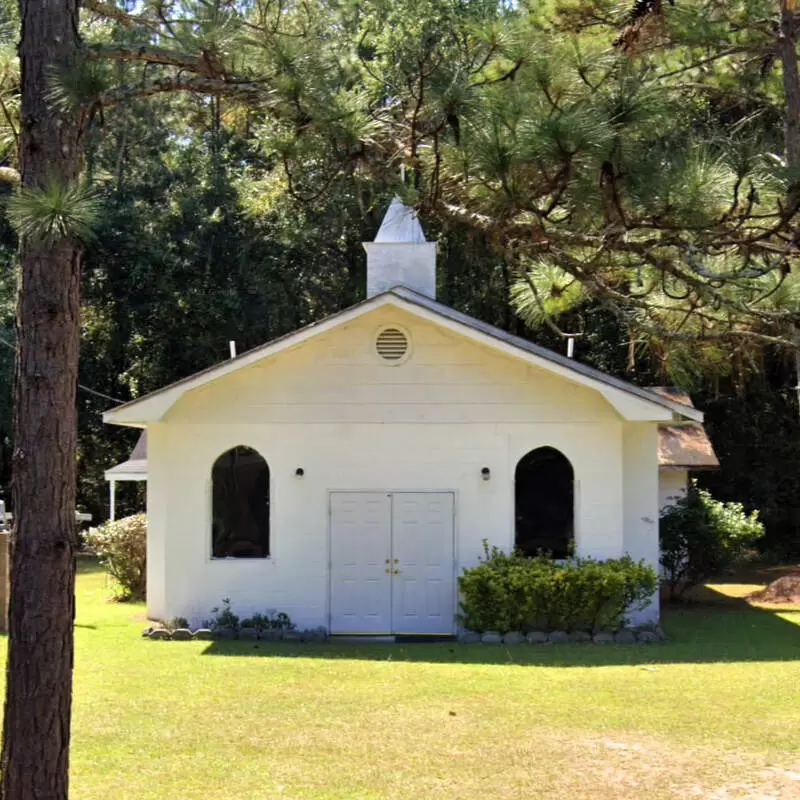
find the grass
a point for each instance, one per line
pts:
(714, 713)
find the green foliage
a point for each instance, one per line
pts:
(701, 537)
(122, 548)
(269, 621)
(229, 219)
(756, 434)
(224, 617)
(9, 94)
(509, 592)
(544, 292)
(177, 622)
(77, 85)
(56, 211)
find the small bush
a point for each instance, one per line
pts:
(122, 548)
(270, 621)
(701, 537)
(223, 617)
(516, 593)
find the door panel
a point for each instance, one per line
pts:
(414, 532)
(422, 543)
(360, 547)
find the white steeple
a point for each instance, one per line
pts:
(400, 256)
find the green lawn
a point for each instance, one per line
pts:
(715, 713)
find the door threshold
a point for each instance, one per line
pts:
(426, 638)
(359, 638)
(399, 638)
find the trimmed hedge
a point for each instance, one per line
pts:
(516, 593)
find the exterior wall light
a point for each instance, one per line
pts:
(299, 472)
(486, 473)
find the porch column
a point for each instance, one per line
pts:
(113, 500)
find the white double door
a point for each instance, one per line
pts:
(392, 562)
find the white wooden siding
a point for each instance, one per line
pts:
(640, 500)
(339, 378)
(332, 407)
(672, 485)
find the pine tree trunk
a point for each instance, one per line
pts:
(787, 51)
(36, 730)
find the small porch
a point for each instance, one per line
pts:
(134, 469)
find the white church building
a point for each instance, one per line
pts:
(347, 472)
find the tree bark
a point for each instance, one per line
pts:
(36, 730)
(787, 51)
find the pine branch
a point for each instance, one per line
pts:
(508, 75)
(150, 54)
(656, 252)
(620, 304)
(110, 11)
(702, 62)
(181, 83)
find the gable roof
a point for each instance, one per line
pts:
(632, 402)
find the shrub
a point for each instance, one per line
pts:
(223, 617)
(122, 548)
(516, 593)
(270, 621)
(701, 537)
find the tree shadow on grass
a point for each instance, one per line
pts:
(86, 564)
(726, 630)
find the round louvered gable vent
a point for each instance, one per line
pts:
(392, 345)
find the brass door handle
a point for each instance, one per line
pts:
(396, 571)
(388, 561)
(396, 560)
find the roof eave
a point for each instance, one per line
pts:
(152, 407)
(631, 402)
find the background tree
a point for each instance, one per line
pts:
(588, 157)
(506, 121)
(9, 175)
(626, 175)
(51, 212)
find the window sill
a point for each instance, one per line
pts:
(239, 559)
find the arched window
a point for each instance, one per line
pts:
(240, 505)
(544, 503)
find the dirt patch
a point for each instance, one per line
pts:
(785, 590)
